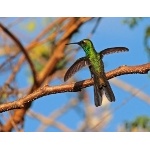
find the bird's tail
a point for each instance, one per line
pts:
(108, 91)
(98, 91)
(102, 85)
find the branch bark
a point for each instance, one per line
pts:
(68, 31)
(73, 87)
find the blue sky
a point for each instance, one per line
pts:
(110, 33)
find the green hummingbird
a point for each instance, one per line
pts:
(93, 59)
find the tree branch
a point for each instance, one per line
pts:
(15, 39)
(45, 31)
(73, 87)
(60, 46)
(68, 32)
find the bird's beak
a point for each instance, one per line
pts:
(72, 43)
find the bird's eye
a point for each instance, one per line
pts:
(83, 42)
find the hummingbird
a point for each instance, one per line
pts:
(94, 61)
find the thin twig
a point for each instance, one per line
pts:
(60, 47)
(57, 113)
(117, 108)
(49, 121)
(131, 89)
(45, 31)
(94, 28)
(15, 39)
(7, 60)
(18, 115)
(16, 21)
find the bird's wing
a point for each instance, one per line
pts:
(81, 62)
(112, 50)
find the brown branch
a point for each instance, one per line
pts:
(45, 31)
(60, 47)
(132, 90)
(15, 39)
(18, 115)
(57, 113)
(73, 87)
(48, 121)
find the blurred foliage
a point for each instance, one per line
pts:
(3, 98)
(61, 64)
(132, 21)
(39, 55)
(31, 26)
(147, 41)
(147, 32)
(41, 52)
(141, 123)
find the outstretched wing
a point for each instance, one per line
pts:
(112, 50)
(80, 63)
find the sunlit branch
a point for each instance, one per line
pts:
(72, 87)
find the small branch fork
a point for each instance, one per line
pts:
(73, 87)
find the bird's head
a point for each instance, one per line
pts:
(86, 44)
